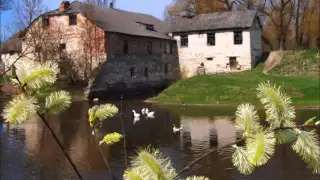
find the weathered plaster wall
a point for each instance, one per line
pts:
(115, 74)
(198, 51)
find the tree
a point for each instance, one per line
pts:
(26, 11)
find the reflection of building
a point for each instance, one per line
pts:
(210, 133)
(225, 129)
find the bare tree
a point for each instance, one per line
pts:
(26, 11)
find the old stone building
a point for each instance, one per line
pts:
(119, 51)
(218, 42)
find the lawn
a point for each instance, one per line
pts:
(237, 88)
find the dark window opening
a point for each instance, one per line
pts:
(166, 68)
(62, 46)
(209, 58)
(165, 48)
(133, 72)
(211, 39)
(125, 47)
(46, 22)
(72, 20)
(233, 63)
(171, 47)
(237, 37)
(146, 72)
(149, 47)
(150, 27)
(184, 40)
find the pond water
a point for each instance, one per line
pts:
(28, 151)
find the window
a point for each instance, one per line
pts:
(166, 68)
(125, 47)
(62, 46)
(46, 21)
(72, 20)
(165, 48)
(237, 37)
(211, 39)
(146, 72)
(149, 47)
(171, 48)
(133, 72)
(150, 27)
(209, 58)
(184, 40)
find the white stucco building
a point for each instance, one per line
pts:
(221, 42)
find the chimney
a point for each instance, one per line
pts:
(111, 5)
(65, 5)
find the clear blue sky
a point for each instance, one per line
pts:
(153, 7)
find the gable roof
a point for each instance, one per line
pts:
(215, 21)
(115, 20)
(12, 45)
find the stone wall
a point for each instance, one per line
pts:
(137, 71)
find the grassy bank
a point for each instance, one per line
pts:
(240, 87)
(299, 63)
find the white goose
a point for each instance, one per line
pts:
(149, 114)
(175, 129)
(96, 99)
(143, 111)
(135, 115)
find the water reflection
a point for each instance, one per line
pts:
(28, 151)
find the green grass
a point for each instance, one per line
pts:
(299, 63)
(238, 88)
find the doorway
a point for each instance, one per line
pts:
(233, 63)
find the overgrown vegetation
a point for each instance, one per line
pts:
(299, 63)
(238, 88)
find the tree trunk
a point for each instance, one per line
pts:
(297, 23)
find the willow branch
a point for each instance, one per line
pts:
(206, 154)
(55, 137)
(233, 143)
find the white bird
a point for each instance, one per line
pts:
(150, 115)
(146, 110)
(135, 115)
(135, 120)
(143, 111)
(175, 129)
(96, 99)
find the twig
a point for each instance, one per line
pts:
(124, 136)
(205, 154)
(103, 156)
(60, 145)
(55, 137)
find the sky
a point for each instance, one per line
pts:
(153, 7)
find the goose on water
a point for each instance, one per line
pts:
(96, 99)
(150, 114)
(143, 111)
(135, 115)
(177, 129)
